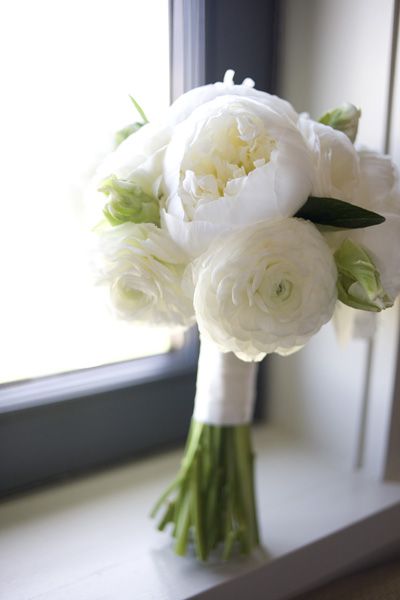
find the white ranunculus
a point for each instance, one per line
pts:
(379, 188)
(143, 269)
(336, 163)
(233, 162)
(266, 288)
(187, 103)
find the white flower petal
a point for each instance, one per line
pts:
(336, 164)
(233, 162)
(143, 269)
(265, 288)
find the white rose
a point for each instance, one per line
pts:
(143, 269)
(233, 162)
(336, 164)
(266, 288)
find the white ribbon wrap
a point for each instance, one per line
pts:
(225, 392)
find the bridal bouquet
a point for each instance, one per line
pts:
(239, 214)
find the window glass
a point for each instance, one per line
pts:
(67, 70)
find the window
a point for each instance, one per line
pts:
(66, 83)
(79, 62)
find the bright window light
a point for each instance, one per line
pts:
(67, 70)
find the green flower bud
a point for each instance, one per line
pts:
(359, 283)
(125, 132)
(128, 202)
(344, 118)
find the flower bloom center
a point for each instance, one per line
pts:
(226, 149)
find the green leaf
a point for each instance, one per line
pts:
(125, 132)
(359, 284)
(139, 109)
(337, 213)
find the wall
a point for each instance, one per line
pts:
(333, 52)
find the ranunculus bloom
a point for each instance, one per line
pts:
(143, 269)
(336, 163)
(266, 288)
(235, 161)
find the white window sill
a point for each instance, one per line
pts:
(92, 539)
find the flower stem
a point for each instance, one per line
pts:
(211, 502)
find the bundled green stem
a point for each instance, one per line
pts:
(211, 501)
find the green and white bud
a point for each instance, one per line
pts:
(344, 118)
(359, 284)
(125, 132)
(128, 203)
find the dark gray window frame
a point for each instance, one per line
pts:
(64, 425)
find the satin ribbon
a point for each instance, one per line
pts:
(225, 392)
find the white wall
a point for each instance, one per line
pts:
(332, 51)
(336, 51)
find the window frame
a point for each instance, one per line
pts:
(63, 425)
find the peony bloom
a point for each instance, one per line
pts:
(183, 107)
(233, 162)
(266, 288)
(143, 269)
(379, 188)
(336, 163)
(379, 191)
(138, 160)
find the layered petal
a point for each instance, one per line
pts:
(232, 163)
(336, 163)
(267, 288)
(143, 269)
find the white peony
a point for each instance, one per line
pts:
(336, 163)
(266, 288)
(233, 162)
(379, 188)
(139, 158)
(143, 269)
(379, 191)
(183, 107)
